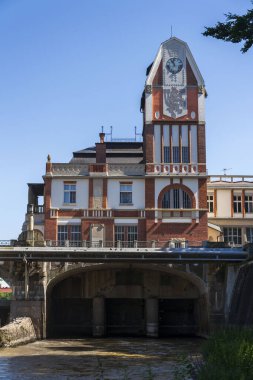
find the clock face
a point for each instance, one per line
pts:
(174, 65)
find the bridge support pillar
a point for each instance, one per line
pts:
(152, 317)
(98, 316)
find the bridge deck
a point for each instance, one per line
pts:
(94, 255)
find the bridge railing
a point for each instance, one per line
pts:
(180, 243)
(150, 244)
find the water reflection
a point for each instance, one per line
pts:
(92, 359)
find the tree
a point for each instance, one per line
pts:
(235, 29)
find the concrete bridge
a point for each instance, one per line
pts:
(138, 289)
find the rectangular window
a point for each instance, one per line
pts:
(119, 233)
(232, 235)
(248, 203)
(249, 234)
(185, 154)
(210, 203)
(176, 158)
(126, 193)
(127, 234)
(69, 192)
(62, 234)
(132, 234)
(75, 233)
(167, 154)
(237, 203)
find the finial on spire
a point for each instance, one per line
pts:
(171, 31)
(48, 158)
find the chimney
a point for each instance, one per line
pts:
(101, 150)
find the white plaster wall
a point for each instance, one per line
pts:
(194, 144)
(201, 107)
(157, 134)
(160, 183)
(64, 221)
(148, 107)
(113, 194)
(82, 194)
(223, 203)
(125, 221)
(193, 185)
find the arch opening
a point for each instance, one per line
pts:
(127, 301)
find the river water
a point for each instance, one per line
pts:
(97, 359)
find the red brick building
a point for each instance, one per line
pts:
(122, 192)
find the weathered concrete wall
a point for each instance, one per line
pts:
(20, 331)
(28, 308)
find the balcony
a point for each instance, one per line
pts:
(35, 209)
(177, 215)
(97, 213)
(176, 168)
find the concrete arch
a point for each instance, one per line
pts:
(191, 277)
(110, 290)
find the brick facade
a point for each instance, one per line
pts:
(147, 217)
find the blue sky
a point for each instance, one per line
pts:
(69, 66)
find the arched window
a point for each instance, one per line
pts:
(176, 198)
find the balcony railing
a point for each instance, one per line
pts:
(176, 168)
(97, 213)
(35, 209)
(120, 244)
(172, 214)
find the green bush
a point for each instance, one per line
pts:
(228, 355)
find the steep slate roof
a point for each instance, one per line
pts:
(116, 152)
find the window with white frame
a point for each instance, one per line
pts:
(127, 234)
(249, 234)
(237, 203)
(126, 193)
(62, 233)
(210, 203)
(176, 198)
(232, 235)
(119, 233)
(69, 192)
(185, 154)
(75, 233)
(166, 151)
(248, 203)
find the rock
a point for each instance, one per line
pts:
(20, 331)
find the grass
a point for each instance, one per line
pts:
(228, 355)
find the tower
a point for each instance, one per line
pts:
(173, 106)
